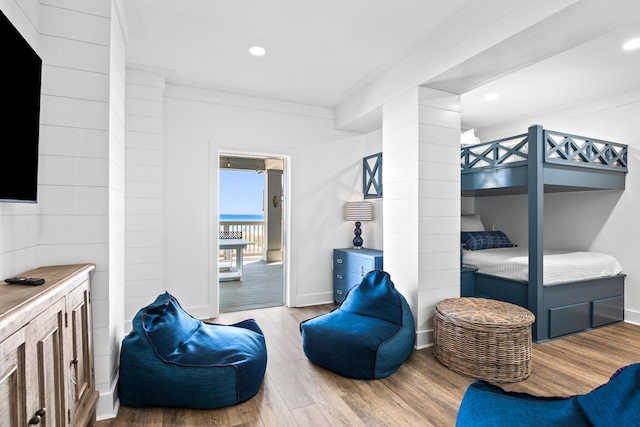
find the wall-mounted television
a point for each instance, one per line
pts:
(20, 73)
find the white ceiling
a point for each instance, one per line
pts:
(538, 54)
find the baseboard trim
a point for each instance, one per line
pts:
(631, 316)
(108, 404)
(424, 339)
(314, 299)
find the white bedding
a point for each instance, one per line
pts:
(558, 267)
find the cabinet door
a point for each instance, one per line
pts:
(81, 357)
(45, 367)
(13, 383)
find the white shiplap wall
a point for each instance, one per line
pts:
(107, 365)
(79, 216)
(421, 137)
(144, 192)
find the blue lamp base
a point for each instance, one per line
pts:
(357, 241)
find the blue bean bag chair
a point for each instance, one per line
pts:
(616, 403)
(174, 360)
(368, 336)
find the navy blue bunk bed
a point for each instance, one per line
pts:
(533, 163)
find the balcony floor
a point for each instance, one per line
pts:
(261, 287)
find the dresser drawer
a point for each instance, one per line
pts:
(350, 266)
(360, 265)
(342, 283)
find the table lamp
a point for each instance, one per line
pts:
(358, 211)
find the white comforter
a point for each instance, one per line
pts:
(558, 267)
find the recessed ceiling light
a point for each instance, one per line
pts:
(257, 50)
(491, 96)
(631, 44)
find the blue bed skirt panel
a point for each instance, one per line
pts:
(616, 403)
(368, 336)
(171, 359)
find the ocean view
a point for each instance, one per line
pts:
(241, 218)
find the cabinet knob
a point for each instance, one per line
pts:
(38, 416)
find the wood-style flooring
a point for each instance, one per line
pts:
(261, 286)
(421, 393)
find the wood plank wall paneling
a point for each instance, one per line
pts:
(421, 142)
(422, 392)
(144, 189)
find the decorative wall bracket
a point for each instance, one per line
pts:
(372, 176)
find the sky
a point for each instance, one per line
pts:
(241, 192)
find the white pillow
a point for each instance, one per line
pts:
(469, 138)
(471, 222)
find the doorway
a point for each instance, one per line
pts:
(251, 210)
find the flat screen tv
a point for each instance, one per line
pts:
(20, 72)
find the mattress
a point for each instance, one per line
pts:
(558, 267)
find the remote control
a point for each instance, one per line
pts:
(34, 281)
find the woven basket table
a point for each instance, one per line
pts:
(483, 338)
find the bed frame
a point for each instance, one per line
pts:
(533, 163)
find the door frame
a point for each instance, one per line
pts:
(214, 221)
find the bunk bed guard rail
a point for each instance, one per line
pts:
(559, 148)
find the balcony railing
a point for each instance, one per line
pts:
(251, 230)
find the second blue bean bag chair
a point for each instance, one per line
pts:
(616, 403)
(171, 359)
(368, 336)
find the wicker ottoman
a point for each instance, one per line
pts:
(483, 338)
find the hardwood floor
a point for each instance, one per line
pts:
(261, 286)
(422, 392)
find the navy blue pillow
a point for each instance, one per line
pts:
(475, 240)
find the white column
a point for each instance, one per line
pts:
(421, 181)
(273, 217)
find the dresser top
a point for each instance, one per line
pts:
(15, 299)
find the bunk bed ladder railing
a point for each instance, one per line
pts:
(504, 152)
(573, 150)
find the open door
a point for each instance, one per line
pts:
(250, 231)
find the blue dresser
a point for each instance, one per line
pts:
(350, 266)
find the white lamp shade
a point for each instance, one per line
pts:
(358, 211)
